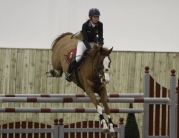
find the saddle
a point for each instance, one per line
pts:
(77, 36)
(72, 55)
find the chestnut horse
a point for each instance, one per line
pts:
(93, 74)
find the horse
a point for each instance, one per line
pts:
(93, 73)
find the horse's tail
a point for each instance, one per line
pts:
(59, 37)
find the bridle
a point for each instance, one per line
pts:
(100, 71)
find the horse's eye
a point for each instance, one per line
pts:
(106, 69)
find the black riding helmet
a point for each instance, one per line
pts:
(94, 12)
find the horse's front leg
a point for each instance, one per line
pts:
(103, 95)
(92, 96)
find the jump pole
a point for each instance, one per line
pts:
(85, 100)
(122, 95)
(69, 110)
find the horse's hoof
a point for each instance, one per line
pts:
(49, 74)
(105, 131)
(112, 134)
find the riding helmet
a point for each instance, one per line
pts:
(94, 12)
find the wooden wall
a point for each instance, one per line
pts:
(24, 71)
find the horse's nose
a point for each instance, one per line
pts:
(105, 81)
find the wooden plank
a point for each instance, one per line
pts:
(19, 76)
(37, 82)
(11, 126)
(25, 80)
(157, 111)
(78, 134)
(164, 80)
(131, 72)
(6, 81)
(116, 132)
(49, 135)
(178, 108)
(164, 116)
(43, 88)
(114, 86)
(17, 126)
(66, 135)
(156, 76)
(114, 73)
(176, 64)
(96, 124)
(84, 125)
(4, 126)
(90, 134)
(12, 82)
(36, 125)
(1, 69)
(72, 135)
(138, 86)
(123, 80)
(151, 108)
(48, 117)
(13, 70)
(31, 78)
(2, 61)
(24, 125)
(6, 72)
(55, 90)
(30, 125)
(42, 135)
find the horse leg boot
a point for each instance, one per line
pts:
(68, 75)
(102, 120)
(111, 129)
(54, 73)
(103, 95)
(92, 96)
(110, 123)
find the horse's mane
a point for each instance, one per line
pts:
(59, 37)
(96, 49)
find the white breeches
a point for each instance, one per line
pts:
(81, 49)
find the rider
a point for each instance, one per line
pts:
(90, 29)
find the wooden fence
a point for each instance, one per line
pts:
(23, 71)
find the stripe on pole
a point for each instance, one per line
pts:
(72, 95)
(85, 100)
(69, 110)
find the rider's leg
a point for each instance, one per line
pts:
(68, 74)
(80, 50)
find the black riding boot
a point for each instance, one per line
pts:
(68, 75)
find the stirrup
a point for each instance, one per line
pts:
(68, 76)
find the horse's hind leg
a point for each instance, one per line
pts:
(103, 95)
(92, 96)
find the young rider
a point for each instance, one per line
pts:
(92, 31)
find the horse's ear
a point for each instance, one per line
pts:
(110, 50)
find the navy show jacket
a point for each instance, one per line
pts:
(90, 33)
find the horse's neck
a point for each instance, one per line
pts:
(95, 59)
